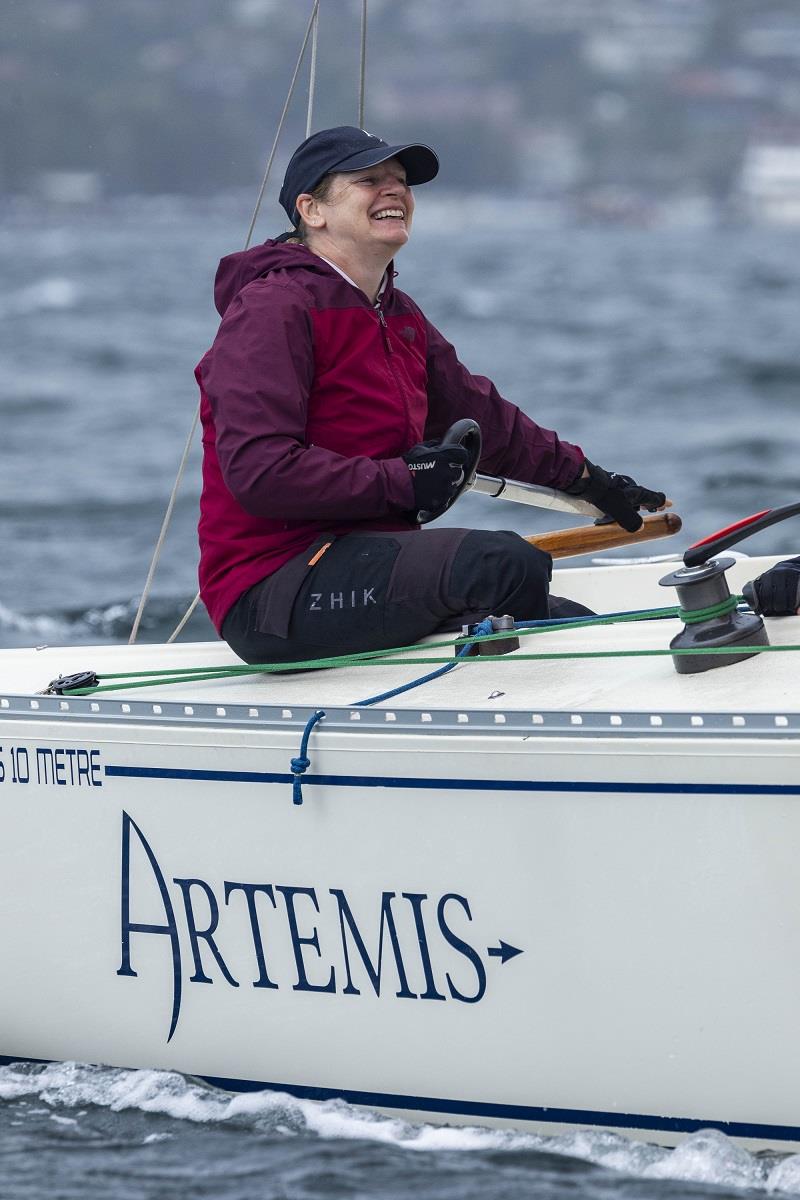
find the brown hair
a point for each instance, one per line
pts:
(320, 192)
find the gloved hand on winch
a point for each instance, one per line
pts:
(618, 496)
(776, 593)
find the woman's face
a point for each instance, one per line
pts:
(368, 209)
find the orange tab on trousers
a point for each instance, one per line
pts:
(312, 562)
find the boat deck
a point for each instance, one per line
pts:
(763, 684)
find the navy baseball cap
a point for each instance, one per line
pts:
(347, 148)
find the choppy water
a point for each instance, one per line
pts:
(670, 354)
(149, 1135)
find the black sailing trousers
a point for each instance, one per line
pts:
(371, 591)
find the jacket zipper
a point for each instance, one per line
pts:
(384, 328)
(391, 354)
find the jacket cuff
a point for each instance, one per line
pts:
(571, 470)
(399, 485)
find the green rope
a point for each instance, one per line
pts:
(359, 658)
(692, 616)
(543, 655)
(412, 656)
(417, 660)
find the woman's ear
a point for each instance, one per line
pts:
(308, 208)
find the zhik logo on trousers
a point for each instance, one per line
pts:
(329, 601)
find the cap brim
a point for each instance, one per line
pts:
(420, 162)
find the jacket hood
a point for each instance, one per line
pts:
(235, 271)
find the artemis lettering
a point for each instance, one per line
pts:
(412, 950)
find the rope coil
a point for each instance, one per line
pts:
(692, 616)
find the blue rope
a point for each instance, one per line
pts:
(483, 627)
(301, 764)
(556, 621)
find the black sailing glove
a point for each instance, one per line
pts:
(618, 496)
(776, 593)
(437, 472)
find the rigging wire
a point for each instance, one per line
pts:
(163, 532)
(178, 628)
(311, 27)
(312, 78)
(362, 74)
(311, 22)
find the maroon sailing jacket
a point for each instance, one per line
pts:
(309, 396)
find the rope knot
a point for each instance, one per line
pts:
(301, 764)
(481, 629)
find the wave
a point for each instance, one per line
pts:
(765, 373)
(704, 1157)
(110, 622)
(125, 507)
(46, 295)
(27, 405)
(103, 622)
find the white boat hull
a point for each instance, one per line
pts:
(539, 918)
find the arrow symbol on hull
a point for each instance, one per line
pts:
(503, 951)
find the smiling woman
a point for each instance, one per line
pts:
(360, 216)
(324, 399)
